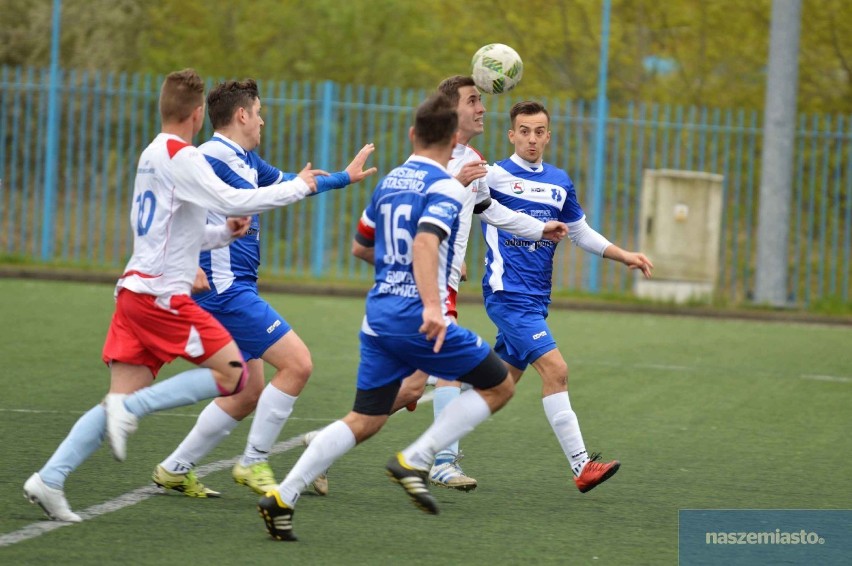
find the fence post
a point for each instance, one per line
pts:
(323, 160)
(596, 220)
(50, 153)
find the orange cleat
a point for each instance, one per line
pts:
(595, 473)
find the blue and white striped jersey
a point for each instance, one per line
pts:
(418, 191)
(244, 170)
(542, 191)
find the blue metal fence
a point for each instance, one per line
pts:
(107, 119)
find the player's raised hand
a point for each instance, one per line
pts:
(554, 231)
(636, 260)
(356, 167)
(239, 225)
(434, 326)
(309, 176)
(471, 172)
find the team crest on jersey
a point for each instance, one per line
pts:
(518, 187)
(443, 210)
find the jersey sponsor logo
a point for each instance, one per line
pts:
(405, 178)
(518, 187)
(530, 245)
(273, 326)
(542, 214)
(397, 290)
(538, 335)
(442, 210)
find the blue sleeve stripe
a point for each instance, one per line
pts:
(227, 174)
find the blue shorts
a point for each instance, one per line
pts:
(252, 322)
(385, 359)
(522, 333)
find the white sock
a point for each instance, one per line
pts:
(331, 443)
(212, 426)
(456, 420)
(566, 427)
(273, 410)
(443, 396)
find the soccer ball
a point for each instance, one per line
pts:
(497, 68)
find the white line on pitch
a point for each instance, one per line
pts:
(833, 378)
(138, 495)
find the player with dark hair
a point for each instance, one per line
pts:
(517, 281)
(155, 319)
(227, 288)
(468, 167)
(415, 212)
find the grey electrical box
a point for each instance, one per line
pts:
(680, 232)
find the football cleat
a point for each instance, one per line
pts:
(595, 473)
(277, 515)
(51, 500)
(186, 484)
(257, 476)
(320, 483)
(413, 481)
(450, 475)
(120, 422)
(411, 407)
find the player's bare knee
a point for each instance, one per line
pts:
(294, 375)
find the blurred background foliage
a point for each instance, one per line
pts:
(690, 52)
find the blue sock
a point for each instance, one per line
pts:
(443, 397)
(183, 389)
(83, 439)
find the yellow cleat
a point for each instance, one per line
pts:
(186, 484)
(258, 476)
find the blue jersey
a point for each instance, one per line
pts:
(418, 192)
(244, 170)
(544, 192)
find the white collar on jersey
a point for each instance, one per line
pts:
(524, 164)
(230, 143)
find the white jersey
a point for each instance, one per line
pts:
(496, 214)
(174, 189)
(474, 193)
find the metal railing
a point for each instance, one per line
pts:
(107, 119)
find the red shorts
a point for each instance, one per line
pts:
(146, 334)
(451, 303)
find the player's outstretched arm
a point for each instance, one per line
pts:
(505, 218)
(425, 264)
(554, 231)
(356, 170)
(309, 176)
(196, 182)
(633, 260)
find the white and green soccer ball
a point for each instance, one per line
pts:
(497, 68)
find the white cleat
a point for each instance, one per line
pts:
(450, 475)
(52, 501)
(320, 484)
(120, 424)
